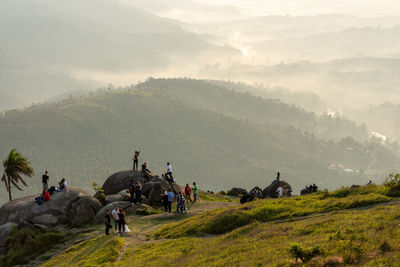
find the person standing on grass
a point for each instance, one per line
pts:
(171, 197)
(115, 216)
(195, 191)
(280, 191)
(136, 160)
(180, 203)
(188, 192)
(131, 189)
(121, 225)
(45, 180)
(165, 202)
(107, 221)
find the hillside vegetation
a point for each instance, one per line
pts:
(89, 138)
(348, 226)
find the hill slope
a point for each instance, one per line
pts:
(90, 138)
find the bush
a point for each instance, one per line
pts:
(393, 183)
(26, 244)
(300, 253)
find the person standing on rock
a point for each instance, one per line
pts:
(121, 222)
(171, 197)
(146, 172)
(45, 180)
(107, 221)
(136, 160)
(278, 176)
(138, 192)
(168, 174)
(188, 193)
(195, 192)
(114, 213)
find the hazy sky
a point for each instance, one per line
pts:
(200, 10)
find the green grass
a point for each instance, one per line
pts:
(26, 244)
(95, 252)
(225, 220)
(355, 237)
(215, 197)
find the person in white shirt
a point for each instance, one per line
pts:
(168, 174)
(115, 216)
(280, 191)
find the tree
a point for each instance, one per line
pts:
(15, 166)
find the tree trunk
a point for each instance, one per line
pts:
(9, 188)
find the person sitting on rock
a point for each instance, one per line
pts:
(138, 192)
(180, 203)
(115, 216)
(136, 160)
(62, 185)
(188, 192)
(314, 188)
(146, 172)
(168, 174)
(45, 196)
(52, 190)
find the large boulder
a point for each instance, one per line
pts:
(257, 192)
(236, 192)
(73, 206)
(117, 183)
(271, 190)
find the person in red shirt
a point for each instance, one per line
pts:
(188, 192)
(45, 196)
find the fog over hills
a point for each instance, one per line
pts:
(324, 74)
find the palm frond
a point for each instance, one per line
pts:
(16, 185)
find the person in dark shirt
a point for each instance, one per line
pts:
(131, 189)
(138, 192)
(165, 201)
(107, 221)
(121, 221)
(136, 160)
(45, 180)
(146, 172)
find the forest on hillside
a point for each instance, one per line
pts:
(91, 137)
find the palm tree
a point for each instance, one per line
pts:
(15, 166)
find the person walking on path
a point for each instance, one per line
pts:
(136, 160)
(180, 203)
(115, 216)
(171, 197)
(138, 192)
(188, 193)
(121, 221)
(168, 174)
(195, 191)
(45, 180)
(107, 221)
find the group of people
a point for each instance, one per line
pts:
(47, 192)
(135, 191)
(284, 191)
(181, 199)
(146, 172)
(118, 216)
(313, 188)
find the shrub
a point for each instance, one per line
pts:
(99, 191)
(26, 244)
(300, 253)
(393, 183)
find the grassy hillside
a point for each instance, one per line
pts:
(91, 138)
(357, 233)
